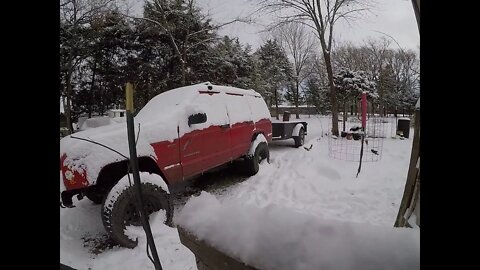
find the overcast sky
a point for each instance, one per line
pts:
(393, 17)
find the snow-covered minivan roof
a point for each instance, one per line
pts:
(176, 99)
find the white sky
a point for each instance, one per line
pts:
(393, 17)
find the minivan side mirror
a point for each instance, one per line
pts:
(197, 118)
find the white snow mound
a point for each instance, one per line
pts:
(279, 238)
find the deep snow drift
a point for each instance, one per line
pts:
(278, 238)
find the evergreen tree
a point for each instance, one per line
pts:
(316, 94)
(182, 26)
(275, 72)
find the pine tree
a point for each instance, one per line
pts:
(316, 94)
(275, 72)
(182, 26)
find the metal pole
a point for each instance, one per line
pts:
(136, 176)
(364, 125)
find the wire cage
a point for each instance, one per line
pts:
(348, 146)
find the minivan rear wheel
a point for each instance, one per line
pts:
(252, 162)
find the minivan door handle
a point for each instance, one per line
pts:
(225, 126)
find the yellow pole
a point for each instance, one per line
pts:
(129, 96)
(136, 176)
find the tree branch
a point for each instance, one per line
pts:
(172, 39)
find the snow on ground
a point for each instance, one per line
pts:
(282, 239)
(81, 230)
(296, 179)
(312, 183)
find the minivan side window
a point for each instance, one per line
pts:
(214, 108)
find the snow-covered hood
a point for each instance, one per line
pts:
(158, 121)
(90, 158)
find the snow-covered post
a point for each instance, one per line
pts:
(413, 176)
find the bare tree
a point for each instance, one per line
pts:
(299, 45)
(321, 16)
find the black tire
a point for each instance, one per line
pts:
(300, 139)
(252, 163)
(121, 211)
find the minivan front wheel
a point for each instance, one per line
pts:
(252, 162)
(119, 210)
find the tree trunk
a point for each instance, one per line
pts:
(68, 110)
(92, 100)
(182, 66)
(333, 93)
(276, 104)
(184, 52)
(64, 104)
(344, 114)
(296, 98)
(101, 105)
(351, 109)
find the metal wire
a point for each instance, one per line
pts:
(377, 128)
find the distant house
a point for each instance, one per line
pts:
(116, 113)
(113, 116)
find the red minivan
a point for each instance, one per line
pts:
(181, 133)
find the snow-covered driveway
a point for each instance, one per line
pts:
(305, 181)
(312, 183)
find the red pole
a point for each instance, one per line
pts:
(364, 110)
